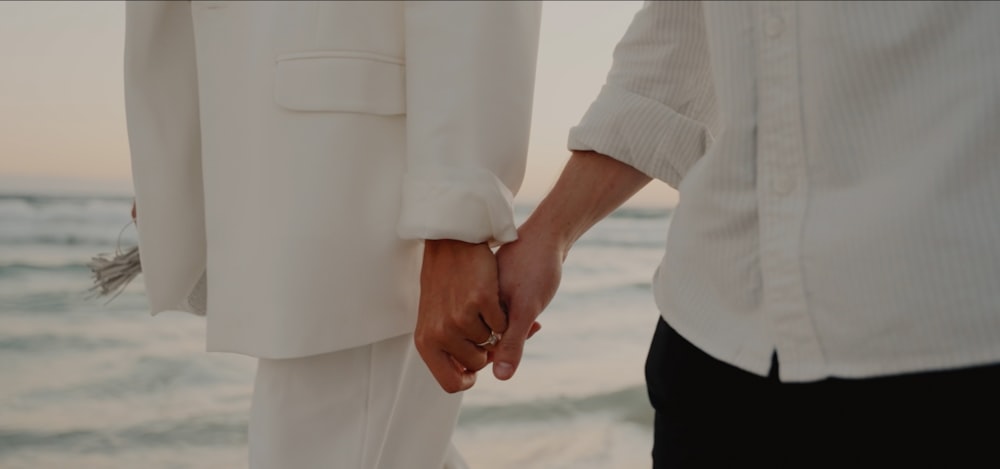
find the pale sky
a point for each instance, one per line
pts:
(62, 121)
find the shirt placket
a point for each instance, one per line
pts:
(782, 189)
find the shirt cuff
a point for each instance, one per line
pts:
(642, 133)
(470, 205)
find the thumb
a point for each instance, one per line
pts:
(508, 352)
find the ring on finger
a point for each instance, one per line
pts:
(492, 340)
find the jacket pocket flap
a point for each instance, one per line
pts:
(340, 82)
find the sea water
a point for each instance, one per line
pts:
(86, 383)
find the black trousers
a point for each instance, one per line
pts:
(711, 414)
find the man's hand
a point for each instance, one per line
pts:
(459, 307)
(530, 271)
(590, 187)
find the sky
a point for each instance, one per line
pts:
(62, 120)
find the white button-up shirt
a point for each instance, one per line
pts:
(839, 172)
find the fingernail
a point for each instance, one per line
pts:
(503, 370)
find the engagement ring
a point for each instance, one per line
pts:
(494, 338)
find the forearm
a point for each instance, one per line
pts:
(589, 188)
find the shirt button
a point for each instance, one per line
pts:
(782, 184)
(774, 26)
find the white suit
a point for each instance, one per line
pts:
(298, 152)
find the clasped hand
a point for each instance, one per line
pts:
(467, 293)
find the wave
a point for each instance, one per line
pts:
(43, 199)
(66, 221)
(147, 376)
(53, 208)
(17, 268)
(523, 210)
(47, 302)
(584, 291)
(50, 220)
(46, 343)
(630, 404)
(27, 203)
(224, 429)
(105, 239)
(642, 213)
(653, 243)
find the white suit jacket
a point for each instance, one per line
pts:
(299, 151)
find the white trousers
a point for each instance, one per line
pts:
(370, 407)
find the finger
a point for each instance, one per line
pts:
(507, 355)
(485, 343)
(448, 373)
(470, 356)
(471, 327)
(493, 315)
(535, 327)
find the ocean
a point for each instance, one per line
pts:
(87, 383)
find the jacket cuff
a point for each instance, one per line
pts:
(470, 205)
(642, 133)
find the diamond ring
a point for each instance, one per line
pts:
(492, 340)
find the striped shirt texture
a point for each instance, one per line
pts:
(838, 165)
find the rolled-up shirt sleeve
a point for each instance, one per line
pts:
(470, 71)
(657, 108)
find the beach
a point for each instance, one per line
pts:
(94, 384)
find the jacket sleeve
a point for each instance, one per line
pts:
(657, 108)
(470, 71)
(161, 104)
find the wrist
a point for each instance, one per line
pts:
(439, 246)
(548, 232)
